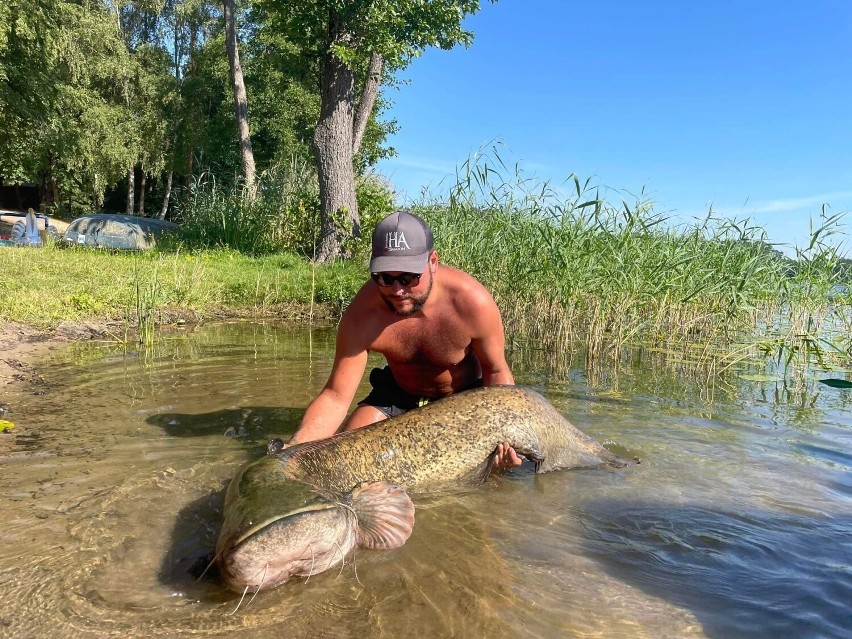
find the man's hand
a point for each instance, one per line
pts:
(275, 446)
(505, 457)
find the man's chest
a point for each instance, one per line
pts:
(442, 342)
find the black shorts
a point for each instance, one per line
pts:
(389, 398)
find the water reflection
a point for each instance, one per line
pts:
(774, 574)
(737, 523)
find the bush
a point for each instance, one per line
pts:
(284, 216)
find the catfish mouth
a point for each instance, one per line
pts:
(300, 543)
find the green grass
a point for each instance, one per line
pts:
(43, 287)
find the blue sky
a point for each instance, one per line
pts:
(745, 106)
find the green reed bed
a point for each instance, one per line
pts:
(283, 215)
(571, 270)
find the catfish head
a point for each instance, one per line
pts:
(271, 535)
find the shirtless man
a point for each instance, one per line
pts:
(438, 328)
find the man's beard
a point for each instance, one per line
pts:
(417, 300)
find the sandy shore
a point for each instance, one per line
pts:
(22, 345)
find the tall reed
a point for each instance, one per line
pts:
(571, 269)
(147, 293)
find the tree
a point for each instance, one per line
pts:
(284, 99)
(101, 96)
(358, 45)
(151, 30)
(186, 29)
(29, 50)
(62, 107)
(240, 97)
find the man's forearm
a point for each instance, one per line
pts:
(499, 376)
(322, 419)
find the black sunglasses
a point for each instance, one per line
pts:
(405, 279)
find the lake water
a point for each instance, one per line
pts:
(738, 522)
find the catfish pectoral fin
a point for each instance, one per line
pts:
(385, 515)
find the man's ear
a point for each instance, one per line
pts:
(433, 261)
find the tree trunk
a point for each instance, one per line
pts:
(368, 100)
(142, 184)
(131, 179)
(166, 197)
(45, 193)
(49, 189)
(189, 176)
(190, 70)
(240, 98)
(332, 144)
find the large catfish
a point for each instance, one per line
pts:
(302, 510)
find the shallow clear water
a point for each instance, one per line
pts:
(737, 523)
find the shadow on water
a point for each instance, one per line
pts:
(754, 574)
(254, 424)
(187, 565)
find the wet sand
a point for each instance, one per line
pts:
(20, 345)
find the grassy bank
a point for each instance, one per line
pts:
(569, 268)
(43, 287)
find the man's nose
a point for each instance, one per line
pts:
(397, 288)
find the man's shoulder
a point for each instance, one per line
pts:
(456, 278)
(363, 304)
(465, 291)
(361, 323)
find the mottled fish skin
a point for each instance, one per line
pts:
(293, 513)
(447, 442)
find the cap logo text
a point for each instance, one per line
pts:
(395, 241)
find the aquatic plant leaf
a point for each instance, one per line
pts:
(836, 383)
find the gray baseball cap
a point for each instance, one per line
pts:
(401, 242)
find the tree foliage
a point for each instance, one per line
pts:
(96, 92)
(356, 45)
